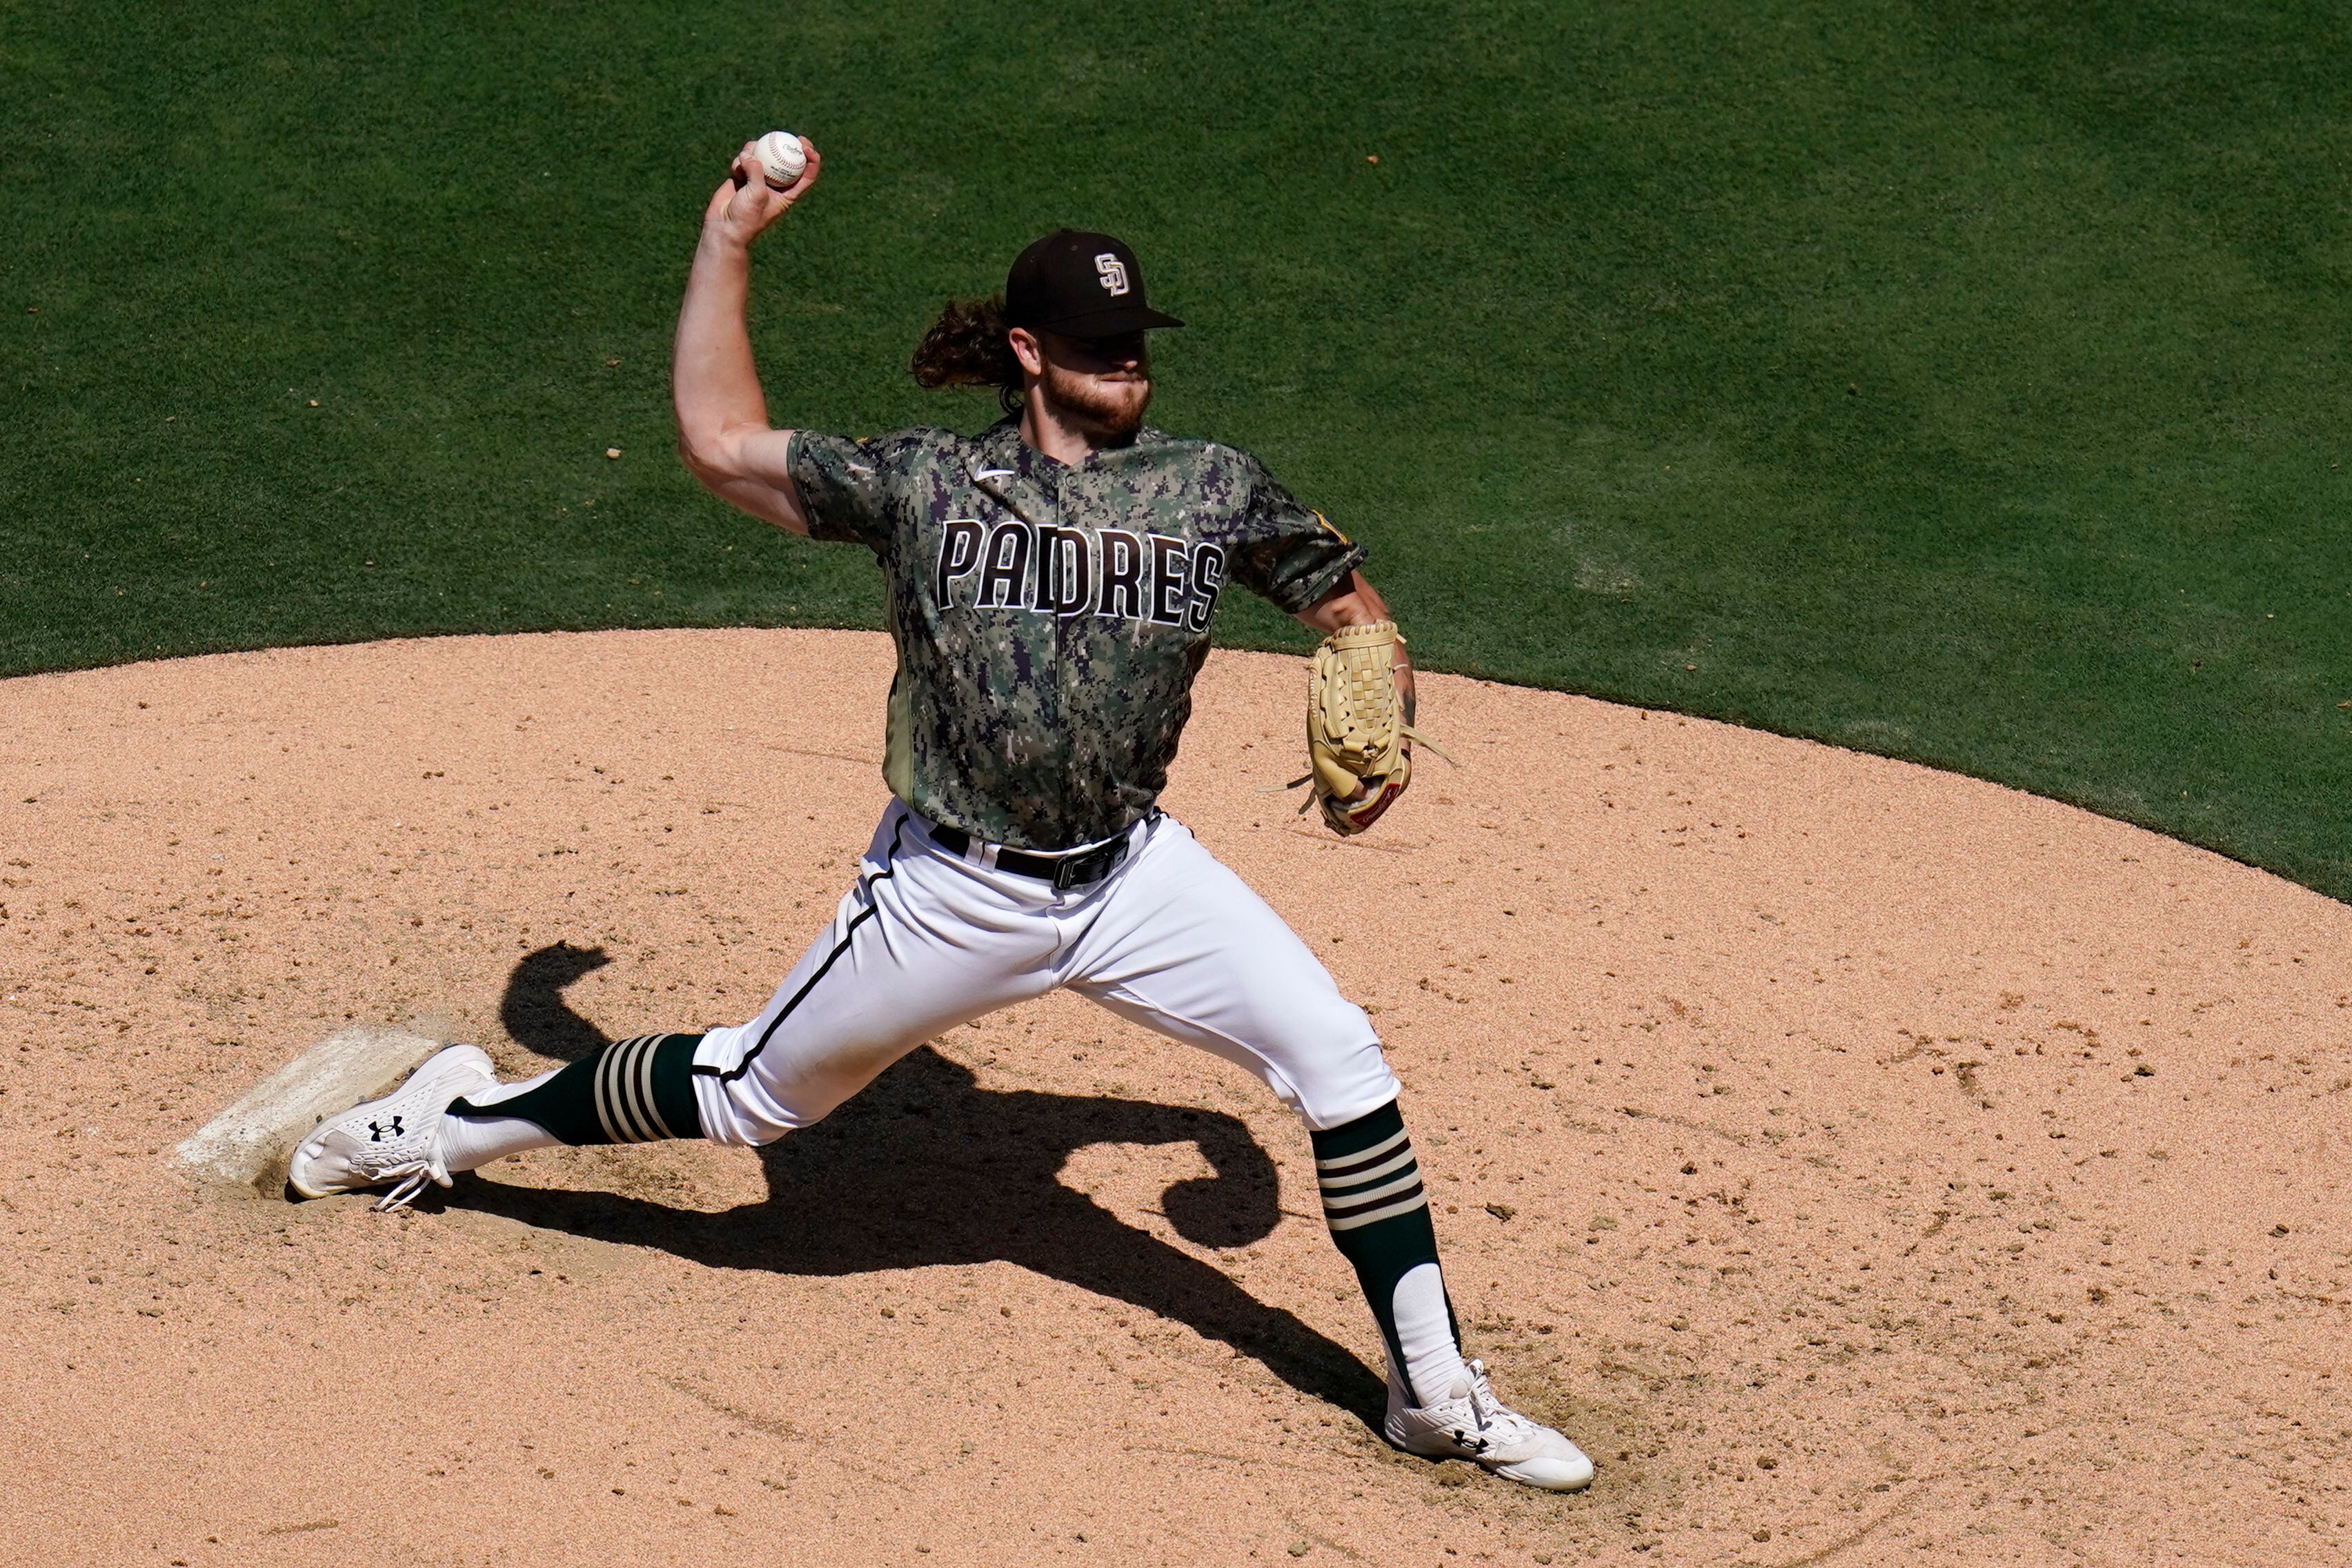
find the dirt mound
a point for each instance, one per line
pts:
(1865, 1163)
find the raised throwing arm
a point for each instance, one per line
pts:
(723, 416)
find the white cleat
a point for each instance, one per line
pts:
(1476, 1425)
(392, 1139)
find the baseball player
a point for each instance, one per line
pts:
(1050, 586)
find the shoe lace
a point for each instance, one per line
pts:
(1493, 1416)
(415, 1169)
(406, 1193)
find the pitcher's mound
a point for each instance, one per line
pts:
(1865, 1163)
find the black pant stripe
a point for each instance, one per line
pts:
(890, 869)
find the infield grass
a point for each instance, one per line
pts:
(1956, 382)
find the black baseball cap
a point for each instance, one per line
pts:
(1080, 285)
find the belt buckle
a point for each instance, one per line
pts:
(1077, 871)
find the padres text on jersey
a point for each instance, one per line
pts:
(1050, 618)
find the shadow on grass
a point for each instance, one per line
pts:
(926, 1168)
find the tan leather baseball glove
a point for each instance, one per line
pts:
(1356, 732)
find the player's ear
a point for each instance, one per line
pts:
(1027, 350)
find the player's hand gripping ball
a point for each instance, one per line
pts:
(1357, 739)
(751, 197)
(781, 158)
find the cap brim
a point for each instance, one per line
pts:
(1110, 322)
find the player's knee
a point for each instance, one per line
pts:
(1347, 1086)
(747, 1114)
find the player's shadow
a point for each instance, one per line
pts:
(926, 1168)
(533, 1009)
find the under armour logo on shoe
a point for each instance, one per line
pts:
(378, 1132)
(1469, 1444)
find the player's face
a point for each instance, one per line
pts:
(1100, 384)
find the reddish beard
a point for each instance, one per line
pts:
(1107, 409)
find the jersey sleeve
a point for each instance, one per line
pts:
(1286, 553)
(846, 485)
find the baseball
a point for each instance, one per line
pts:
(782, 158)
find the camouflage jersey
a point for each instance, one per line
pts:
(1050, 618)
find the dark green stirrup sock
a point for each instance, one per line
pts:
(631, 1091)
(1379, 1216)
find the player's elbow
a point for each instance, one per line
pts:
(706, 455)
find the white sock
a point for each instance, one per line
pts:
(1424, 1330)
(469, 1142)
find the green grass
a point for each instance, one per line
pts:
(1959, 382)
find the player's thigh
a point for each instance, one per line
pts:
(917, 947)
(1185, 948)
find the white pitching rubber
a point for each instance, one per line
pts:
(248, 1146)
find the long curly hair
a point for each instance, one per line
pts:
(966, 347)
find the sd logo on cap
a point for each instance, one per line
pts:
(1079, 285)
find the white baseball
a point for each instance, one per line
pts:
(781, 158)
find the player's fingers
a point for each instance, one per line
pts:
(750, 176)
(743, 173)
(800, 187)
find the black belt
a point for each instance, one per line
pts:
(1065, 872)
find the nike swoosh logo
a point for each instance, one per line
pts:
(994, 472)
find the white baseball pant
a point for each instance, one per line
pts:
(929, 939)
